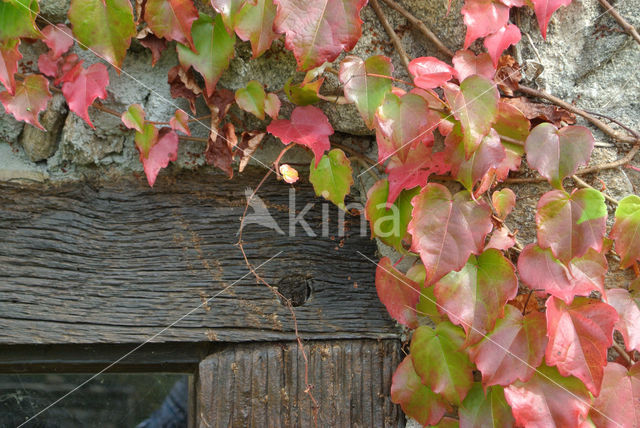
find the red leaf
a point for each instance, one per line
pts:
(47, 65)
(466, 64)
(483, 17)
(540, 270)
(228, 10)
(446, 230)
(579, 335)
(512, 350)
(398, 293)
(544, 9)
(557, 154)
(497, 42)
(571, 224)
(171, 19)
(430, 72)
(9, 57)
(82, 86)
(501, 240)
(58, 38)
(164, 150)
(318, 31)
(617, 404)
(475, 297)
(31, 97)
(308, 126)
(402, 124)
(153, 43)
(180, 122)
(415, 171)
(548, 400)
(629, 322)
(416, 400)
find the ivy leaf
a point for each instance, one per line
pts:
(416, 400)
(254, 99)
(133, 118)
(544, 9)
(513, 127)
(483, 410)
(367, 92)
(540, 270)
(571, 224)
(214, 48)
(162, 148)
(501, 240)
(497, 42)
(548, 400)
(617, 404)
(488, 156)
(503, 202)
(17, 19)
(398, 293)
(219, 151)
(104, 26)
(249, 143)
(483, 17)
(403, 123)
(512, 349)
(467, 63)
(303, 94)
(82, 86)
(579, 335)
(228, 10)
(557, 154)
(446, 230)
(475, 105)
(255, 23)
(439, 362)
(9, 57)
(308, 126)
(427, 305)
(332, 176)
(180, 122)
(430, 72)
(625, 230)
(182, 84)
(475, 296)
(415, 170)
(171, 19)
(31, 97)
(318, 31)
(629, 323)
(152, 42)
(58, 38)
(389, 222)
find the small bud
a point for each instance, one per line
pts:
(289, 174)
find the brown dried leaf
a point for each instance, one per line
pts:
(542, 112)
(219, 151)
(182, 84)
(249, 143)
(152, 42)
(508, 75)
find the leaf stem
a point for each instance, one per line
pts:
(623, 22)
(397, 43)
(620, 350)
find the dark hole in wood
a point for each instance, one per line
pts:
(296, 288)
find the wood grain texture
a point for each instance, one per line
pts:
(118, 262)
(263, 385)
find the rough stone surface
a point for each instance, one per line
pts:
(40, 144)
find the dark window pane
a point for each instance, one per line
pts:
(110, 400)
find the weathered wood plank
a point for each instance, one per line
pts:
(117, 262)
(263, 385)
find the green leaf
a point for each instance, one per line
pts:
(503, 202)
(133, 118)
(254, 22)
(104, 26)
(146, 139)
(303, 94)
(475, 105)
(333, 176)
(426, 306)
(475, 296)
(214, 50)
(389, 222)
(440, 363)
(366, 91)
(255, 100)
(416, 400)
(490, 410)
(17, 19)
(626, 230)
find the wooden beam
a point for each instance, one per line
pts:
(119, 262)
(264, 385)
